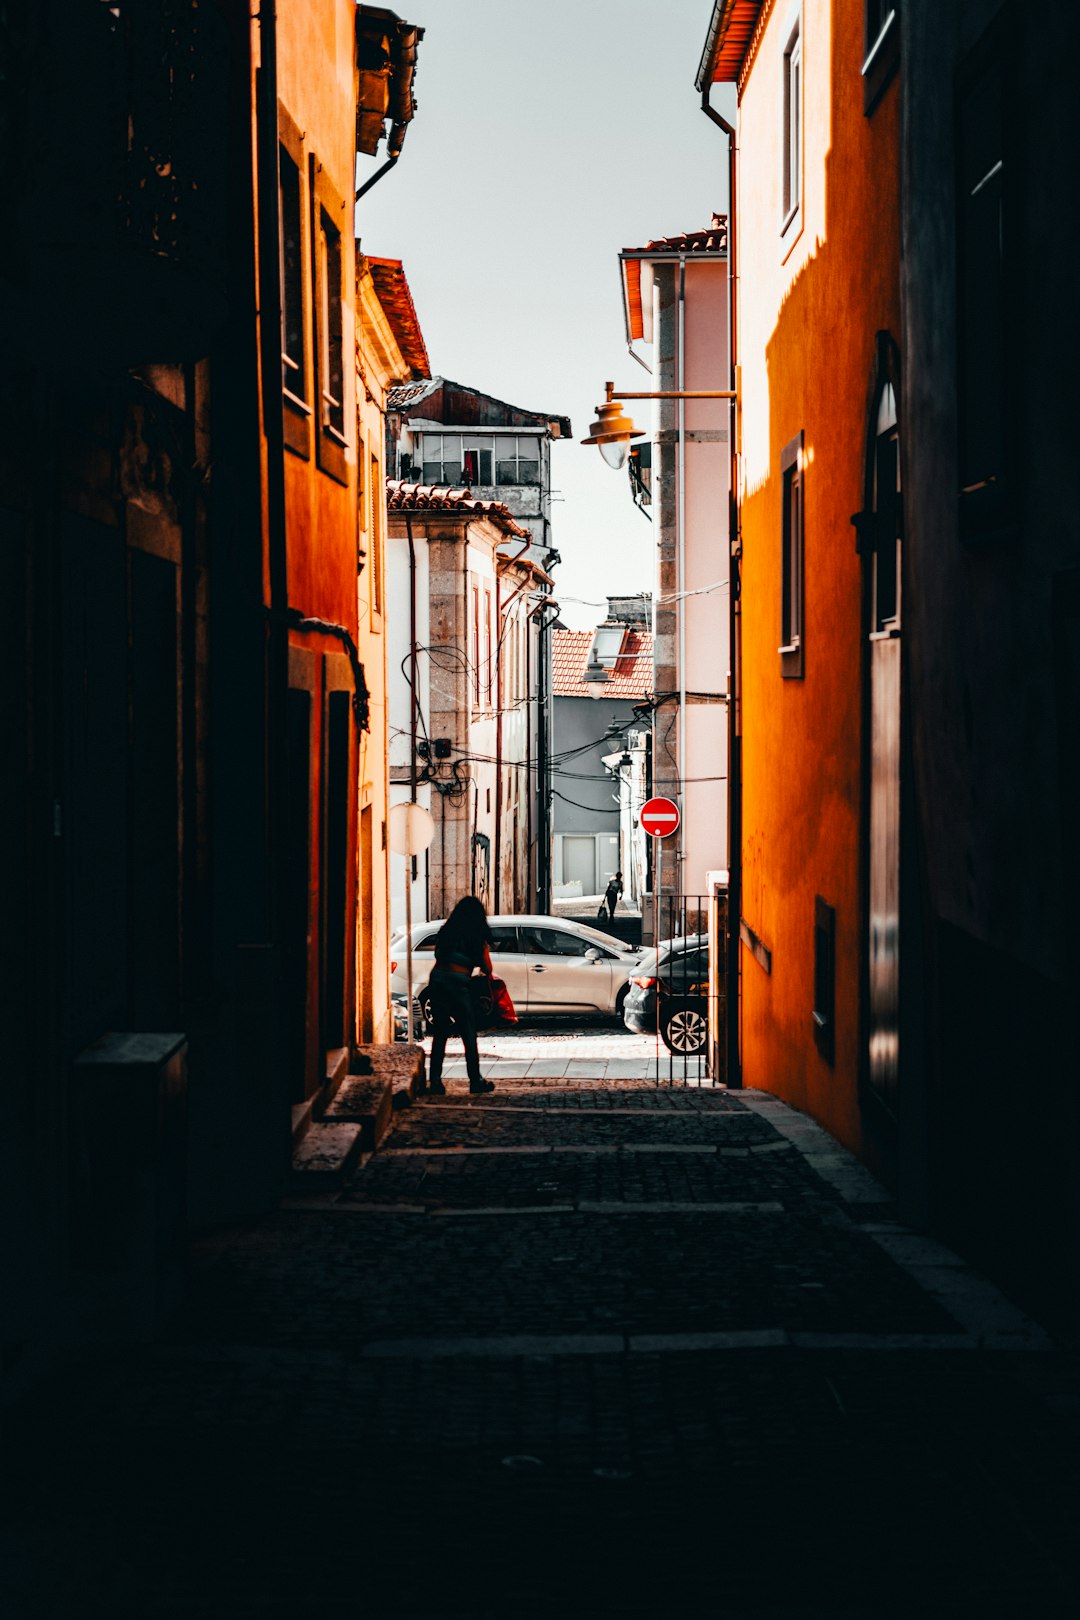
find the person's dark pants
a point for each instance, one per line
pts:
(612, 901)
(452, 1009)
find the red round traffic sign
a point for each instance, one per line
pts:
(660, 817)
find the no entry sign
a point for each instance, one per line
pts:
(660, 817)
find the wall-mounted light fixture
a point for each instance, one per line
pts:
(613, 429)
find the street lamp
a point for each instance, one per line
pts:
(613, 430)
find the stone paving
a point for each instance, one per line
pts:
(571, 1349)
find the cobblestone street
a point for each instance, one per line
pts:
(572, 1349)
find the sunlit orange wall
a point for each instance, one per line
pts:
(811, 302)
(316, 84)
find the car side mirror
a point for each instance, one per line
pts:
(592, 954)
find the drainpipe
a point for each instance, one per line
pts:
(543, 744)
(498, 906)
(413, 670)
(465, 709)
(404, 107)
(681, 544)
(414, 703)
(475, 834)
(534, 788)
(734, 1072)
(377, 176)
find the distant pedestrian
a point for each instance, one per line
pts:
(612, 893)
(462, 944)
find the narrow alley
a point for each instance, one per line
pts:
(577, 1348)
(548, 527)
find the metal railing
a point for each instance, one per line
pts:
(690, 996)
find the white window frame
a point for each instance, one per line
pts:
(508, 448)
(794, 100)
(428, 442)
(792, 558)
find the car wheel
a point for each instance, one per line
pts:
(620, 1003)
(423, 1004)
(684, 1028)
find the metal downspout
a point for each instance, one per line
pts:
(499, 710)
(734, 1068)
(535, 788)
(498, 906)
(472, 677)
(680, 605)
(414, 700)
(412, 770)
(377, 176)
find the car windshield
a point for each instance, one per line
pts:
(672, 948)
(689, 942)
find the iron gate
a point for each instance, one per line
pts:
(688, 999)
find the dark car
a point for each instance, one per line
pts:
(670, 989)
(399, 1007)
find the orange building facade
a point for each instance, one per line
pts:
(189, 692)
(324, 514)
(817, 248)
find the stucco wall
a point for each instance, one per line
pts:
(320, 511)
(811, 303)
(692, 581)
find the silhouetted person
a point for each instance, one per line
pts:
(462, 944)
(612, 893)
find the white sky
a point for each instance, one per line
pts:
(509, 218)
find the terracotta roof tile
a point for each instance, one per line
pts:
(712, 239)
(631, 677)
(393, 293)
(408, 393)
(403, 497)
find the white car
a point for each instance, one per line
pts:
(549, 964)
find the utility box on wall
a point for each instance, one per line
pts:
(128, 1156)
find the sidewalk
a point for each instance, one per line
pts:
(538, 1052)
(571, 1349)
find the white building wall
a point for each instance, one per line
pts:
(691, 643)
(398, 629)
(398, 621)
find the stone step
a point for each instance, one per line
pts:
(366, 1102)
(353, 1113)
(325, 1156)
(301, 1120)
(401, 1064)
(312, 1109)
